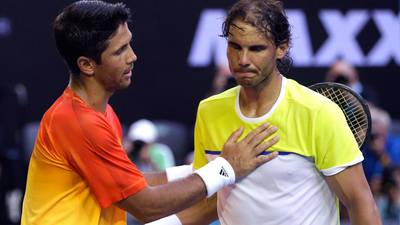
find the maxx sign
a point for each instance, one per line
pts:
(342, 30)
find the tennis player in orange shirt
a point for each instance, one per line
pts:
(79, 173)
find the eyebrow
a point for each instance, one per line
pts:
(124, 46)
(120, 48)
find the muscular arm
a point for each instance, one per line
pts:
(237, 158)
(155, 178)
(170, 174)
(203, 212)
(152, 203)
(353, 191)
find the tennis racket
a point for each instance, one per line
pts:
(353, 106)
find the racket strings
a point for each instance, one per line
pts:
(352, 109)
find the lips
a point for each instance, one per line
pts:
(128, 70)
(128, 73)
(244, 71)
(244, 74)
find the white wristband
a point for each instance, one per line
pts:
(178, 172)
(169, 220)
(216, 175)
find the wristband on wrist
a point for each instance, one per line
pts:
(169, 220)
(216, 175)
(178, 172)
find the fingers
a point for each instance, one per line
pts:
(235, 135)
(265, 158)
(256, 131)
(260, 137)
(264, 146)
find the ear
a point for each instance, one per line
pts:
(281, 50)
(86, 65)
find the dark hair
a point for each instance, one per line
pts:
(268, 17)
(84, 27)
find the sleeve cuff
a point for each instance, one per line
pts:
(337, 169)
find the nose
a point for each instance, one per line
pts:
(131, 56)
(244, 59)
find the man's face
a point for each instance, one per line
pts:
(251, 55)
(117, 60)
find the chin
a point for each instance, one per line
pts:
(246, 84)
(124, 85)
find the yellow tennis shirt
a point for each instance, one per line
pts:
(315, 141)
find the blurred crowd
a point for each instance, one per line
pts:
(154, 145)
(382, 150)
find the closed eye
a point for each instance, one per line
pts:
(234, 45)
(257, 48)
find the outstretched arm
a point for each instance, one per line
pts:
(170, 174)
(155, 178)
(152, 203)
(237, 159)
(203, 212)
(353, 191)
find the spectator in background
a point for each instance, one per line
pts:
(393, 142)
(376, 157)
(12, 164)
(389, 201)
(344, 73)
(144, 151)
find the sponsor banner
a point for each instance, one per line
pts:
(342, 41)
(178, 47)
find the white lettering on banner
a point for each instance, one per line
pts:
(207, 44)
(301, 51)
(342, 30)
(5, 27)
(389, 44)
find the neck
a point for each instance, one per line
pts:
(257, 101)
(93, 94)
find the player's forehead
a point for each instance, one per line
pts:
(246, 33)
(121, 36)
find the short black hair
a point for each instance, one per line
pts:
(268, 17)
(84, 27)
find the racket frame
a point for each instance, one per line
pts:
(360, 99)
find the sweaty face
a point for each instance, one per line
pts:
(251, 55)
(115, 70)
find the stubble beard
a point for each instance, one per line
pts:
(255, 83)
